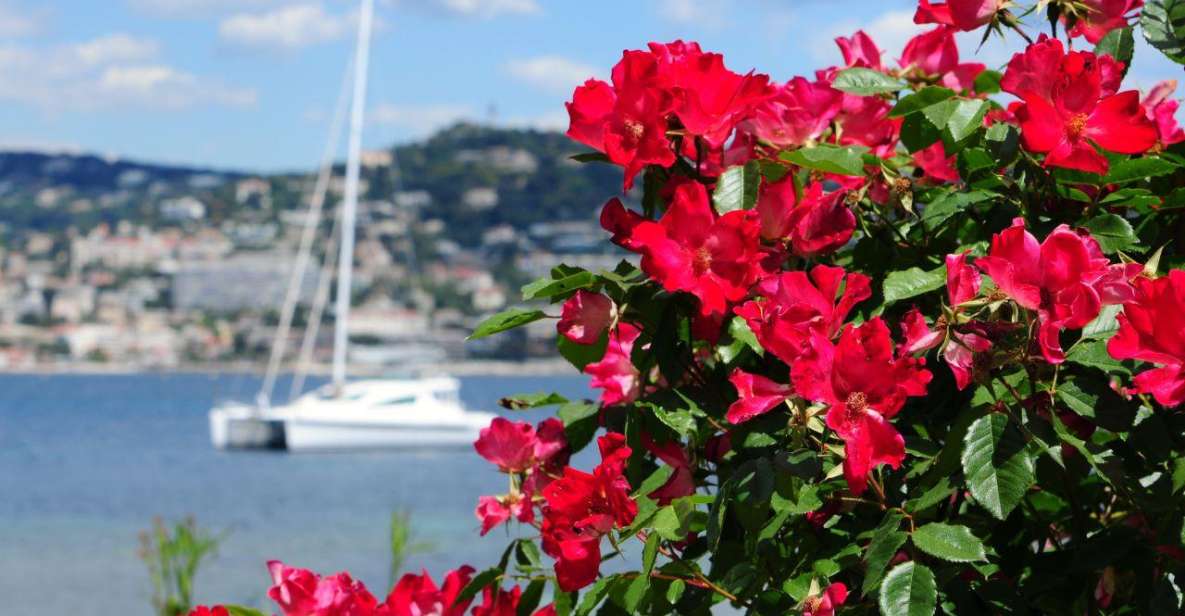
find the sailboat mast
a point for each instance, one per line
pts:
(345, 262)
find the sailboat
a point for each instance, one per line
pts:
(424, 412)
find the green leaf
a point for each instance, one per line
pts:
(966, 117)
(675, 591)
(865, 82)
(530, 598)
(679, 420)
(939, 211)
(547, 288)
(590, 157)
(580, 423)
(912, 282)
(507, 319)
(671, 522)
(581, 355)
(997, 464)
(650, 553)
(1138, 169)
(654, 481)
(238, 610)
(477, 583)
(1113, 233)
(1003, 142)
(1105, 324)
(886, 540)
(519, 402)
(829, 159)
(594, 595)
(1079, 401)
(909, 590)
(1119, 43)
(919, 100)
(1162, 21)
(737, 188)
(949, 542)
(1093, 354)
(634, 593)
(739, 329)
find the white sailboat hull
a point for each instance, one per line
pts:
(365, 415)
(323, 435)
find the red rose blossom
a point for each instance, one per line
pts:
(585, 316)
(583, 507)
(824, 605)
(417, 595)
(1103, 16)
(300, 592)
(756, 395)
(691, 249)
(615, 374)
(1066, 279)
(1152, 329)
(864, 385)
(964, 15)
(1162, 110)
(791, 306)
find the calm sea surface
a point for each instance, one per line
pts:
(86, 462)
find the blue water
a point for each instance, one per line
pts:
(86, 463)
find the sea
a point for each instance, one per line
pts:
(87, 462)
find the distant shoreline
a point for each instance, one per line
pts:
(532, 367)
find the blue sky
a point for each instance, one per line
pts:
(250, 84)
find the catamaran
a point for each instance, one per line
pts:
(424, 412)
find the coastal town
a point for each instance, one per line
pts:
(108, 264)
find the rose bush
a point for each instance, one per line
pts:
(900, 338)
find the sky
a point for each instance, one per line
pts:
(252, 84)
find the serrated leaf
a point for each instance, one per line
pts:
(1105, 324)
(507, 319)
(886, 540)
(1161, 22)
(1112, 232)
(737, 188)
(829, 159)
(951, 542)
(940, 210)
(580, 423)
(865, 82)
(966, 117)
(1138, 169)
(997, 464)
(546, 288)
(912, 282)
(919, 100)
(909, 590)
(654, 481)
(1119, 43)
(1093, 354)
(530, 598)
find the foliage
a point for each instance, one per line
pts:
(173, 554)
(892, 344)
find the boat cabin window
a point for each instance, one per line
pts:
(398, 401)
(446, 396)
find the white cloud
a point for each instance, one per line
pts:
(483, 9)
(286, 28)
(707, 13)
(551, 73)
(113, 71)
(195, 8)
(418, 120)
(18, 21)
(115, 48)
